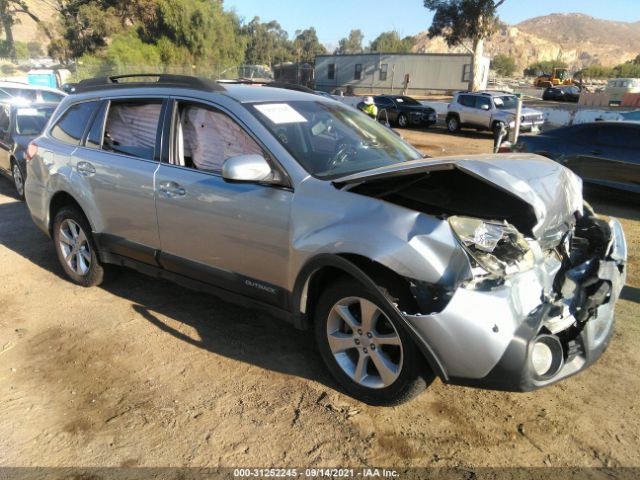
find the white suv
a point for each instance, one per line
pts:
(487, 110)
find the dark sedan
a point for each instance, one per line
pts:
(404, 111)
(19, 125)
(604, 153)
(562, 93)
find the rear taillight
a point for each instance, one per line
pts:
(31, 152)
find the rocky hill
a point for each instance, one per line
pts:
(577, 39)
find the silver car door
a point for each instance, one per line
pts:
(232, 235)
(116, 166)
(5, 137)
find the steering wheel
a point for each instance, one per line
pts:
(344, 152)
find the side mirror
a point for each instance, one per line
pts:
(248, 169)
(484, 106)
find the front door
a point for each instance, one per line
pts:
(234, 236)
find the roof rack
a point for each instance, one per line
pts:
(163, 80)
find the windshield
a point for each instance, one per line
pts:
(31, 121)
(330, 140)
(507, 102)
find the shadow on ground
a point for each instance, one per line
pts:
(225, 329)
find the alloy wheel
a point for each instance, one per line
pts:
(74, 246)
(18, 180)
(364, 342)
(402, 121)
(453, 124)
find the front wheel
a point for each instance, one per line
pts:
(403, 121)
(76, 249)
(365, 349)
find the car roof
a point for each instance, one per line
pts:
(240, 93)
(27, 86)
(488, 93)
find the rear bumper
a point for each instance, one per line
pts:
(485, 338)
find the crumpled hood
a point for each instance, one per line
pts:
(553, 191)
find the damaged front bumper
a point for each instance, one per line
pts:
(487, 336)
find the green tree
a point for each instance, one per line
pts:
(390, 42)
(465, 21)
(351, 44)
(595, 71)
(267, 43)
(307, 45)
(9, 10)
(503, 65)
(627, 70)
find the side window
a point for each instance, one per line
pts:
(71, 125)
(206, 137)
(467, 100)
(384, 67)
(382, 101)
(132, 128)
(95, 136)
(51, 96)
(331, 71)
(5, 122)
(483, 101)
(466, 73)
(358, 72)
(618, 136)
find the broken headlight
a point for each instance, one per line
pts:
(497, 247)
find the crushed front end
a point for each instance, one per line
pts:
(548, 317)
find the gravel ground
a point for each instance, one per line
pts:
(141, 372)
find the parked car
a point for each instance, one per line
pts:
(562, 93)
(484, 270)
(19, 125)
(30, 93)
(404, 111)
(617, 88)
(486, 110)
(604, 153)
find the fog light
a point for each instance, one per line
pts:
(546, 356)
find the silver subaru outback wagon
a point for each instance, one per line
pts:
(487, 271)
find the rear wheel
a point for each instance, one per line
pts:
(453, 124)
(18, 179)
(365, 349)
(76, 249)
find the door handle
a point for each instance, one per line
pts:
(85, 169)
(596, 152)
(171, 189)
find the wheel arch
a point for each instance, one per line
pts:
(60, 200)
(324, 268)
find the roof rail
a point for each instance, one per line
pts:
(163, 80)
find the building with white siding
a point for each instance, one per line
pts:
(375, 73)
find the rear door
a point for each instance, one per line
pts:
(5, 136)
(465, 108)
(614, 159)
(480, 115)
(231, 235)
(115, 165)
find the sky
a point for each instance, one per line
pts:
(333, 19)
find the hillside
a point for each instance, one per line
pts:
(27, 30)
(577, 39)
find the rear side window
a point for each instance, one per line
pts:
(132, 128)
(467, 100)
(94, 138)
(619, 136)
(70, 127)
(51, 96)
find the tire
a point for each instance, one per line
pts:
(76, 249)
(355, 352)
(453, 124)
(18, 179)
(403, 121)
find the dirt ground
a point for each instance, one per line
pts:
(141, 372)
